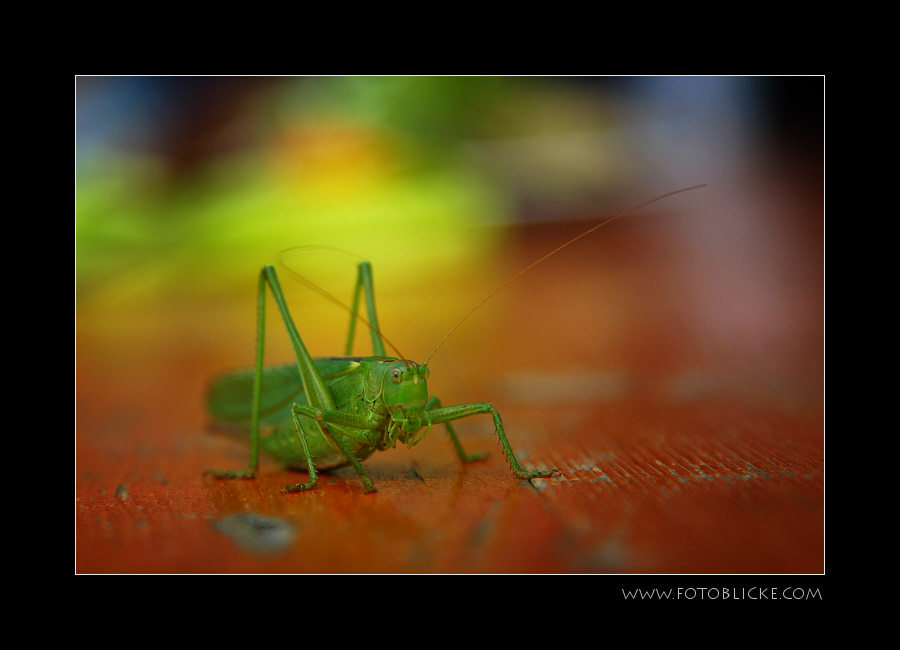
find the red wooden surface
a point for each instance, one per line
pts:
(679, 392)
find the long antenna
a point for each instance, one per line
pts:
(319, 290)
(553, 252)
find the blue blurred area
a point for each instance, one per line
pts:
(168, 114)
(153, 114)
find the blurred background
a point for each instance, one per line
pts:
(186, 186)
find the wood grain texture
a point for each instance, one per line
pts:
(686, 415)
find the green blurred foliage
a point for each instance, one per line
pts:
(191, 198)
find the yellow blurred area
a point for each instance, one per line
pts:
(389, 169)
(300, 196)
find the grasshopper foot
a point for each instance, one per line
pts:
(298, 487)
(231, 473)
(368, 486)
(474, 458)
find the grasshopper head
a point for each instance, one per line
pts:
(405, 394)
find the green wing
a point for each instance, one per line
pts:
(231, 395)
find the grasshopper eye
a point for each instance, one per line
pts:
(424, 372)
(396, 375)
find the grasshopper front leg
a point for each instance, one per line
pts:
(310, 465)
(349, 421)
(449, 413)
(433, 405)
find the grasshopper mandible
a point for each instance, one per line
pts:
(331, 412)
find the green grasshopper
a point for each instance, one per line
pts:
(332, 412)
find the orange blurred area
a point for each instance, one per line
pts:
(671, 364)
